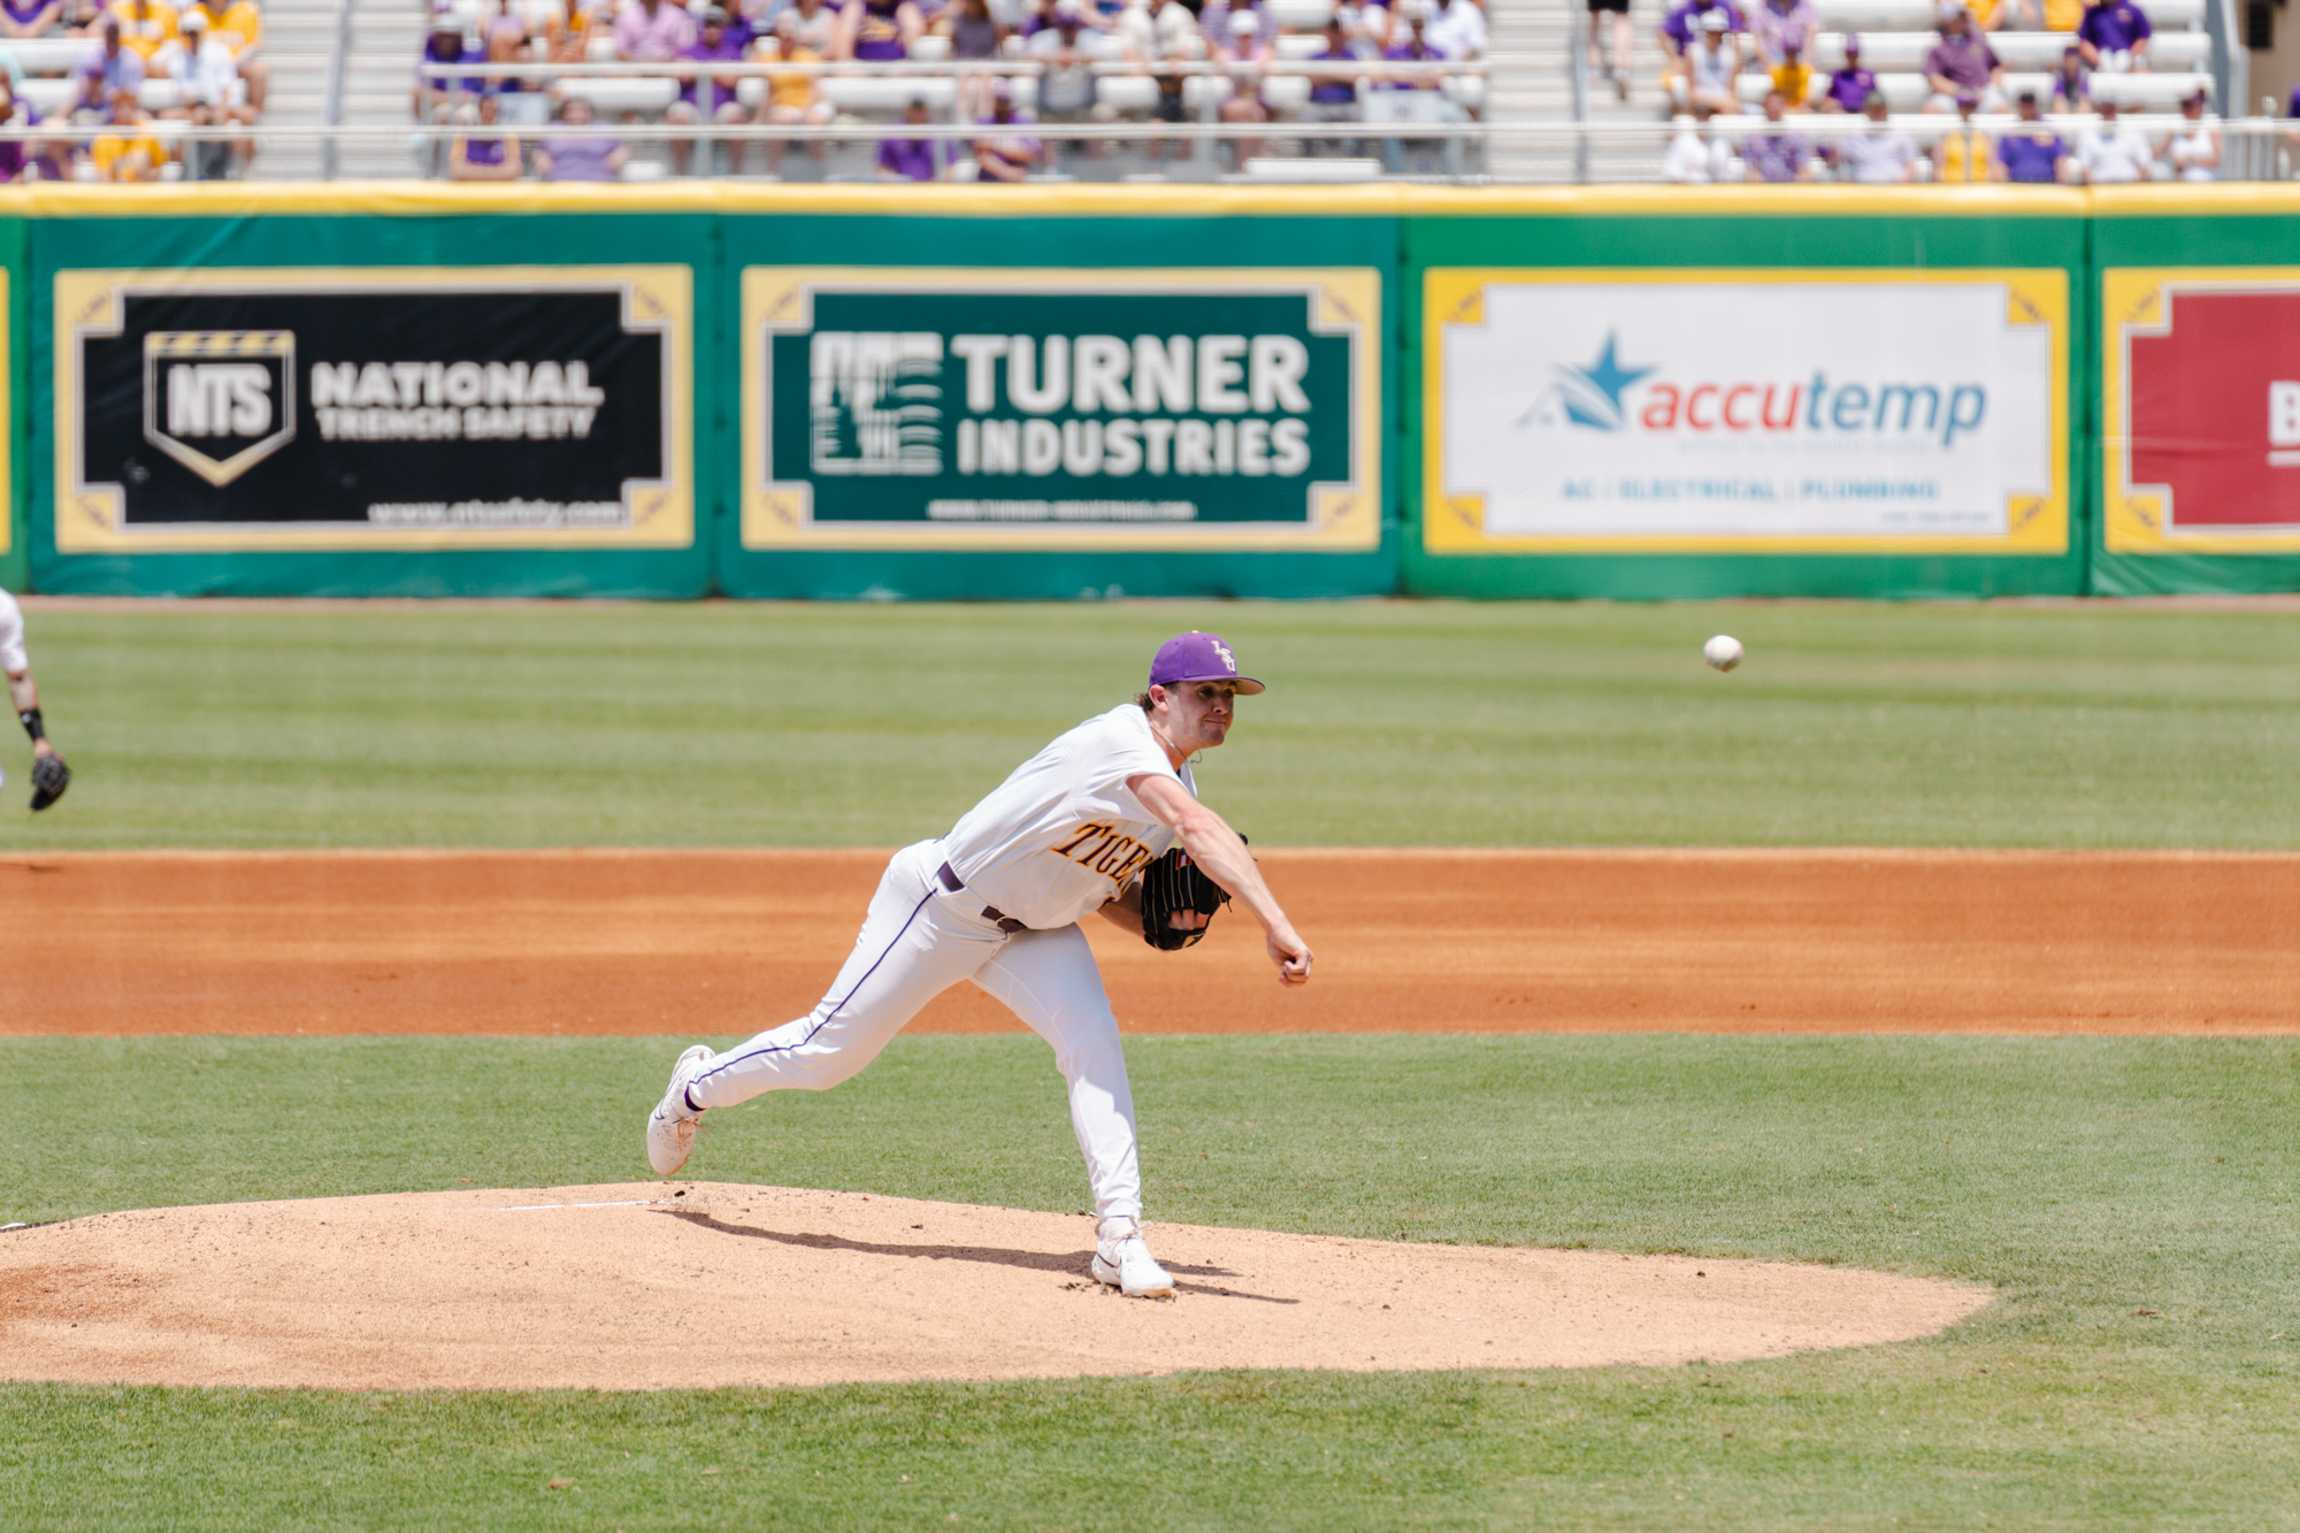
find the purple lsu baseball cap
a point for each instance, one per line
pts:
(1198, 656)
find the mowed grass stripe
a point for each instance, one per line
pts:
(2133, 1201)
(1388, 723)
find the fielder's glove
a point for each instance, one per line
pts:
(50, 777)
(1170, 884)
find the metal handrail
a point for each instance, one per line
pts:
(338, 66)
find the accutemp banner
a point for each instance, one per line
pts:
(1061, 409)
(2200, 381)
(296, 409)
(1746, 411)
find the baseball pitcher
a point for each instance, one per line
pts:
(1105, 819)
(50, 776)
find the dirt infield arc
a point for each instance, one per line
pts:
(721, 942)
(643, 1286)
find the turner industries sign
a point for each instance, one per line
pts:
(308, 409)
(1163, 408)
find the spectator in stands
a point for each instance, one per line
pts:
(435, 96)
(508, 47)
(212, 96)
(567, 35)
(1162, 34)
(81, 17)
(2112, 152)
(29, 18)
(2071, 81)
(15, 153)
(911, 158)
(1777, 152)
(485, 152)
(1610, 64)
(2114, 36)
(1680, 28)
(116, 64)
(146, 26)
(1962, 66)
(1216, 21)
(1427, 103)
(976, 37)
(1851, 86)
(239, 26)
(818, 24)
(1457, 29)
(131, 151)
(793, 98)
(1881, 154)
(2030, 152)
(505, 25)
(1005, 152)
(878, 31)
(90, 107)
(1963, 156)
(652, 32)
(2292, 135)
(579, 152)
(1776, 26)
(1066, 74)
(2194, 148)
(1246, 55)
(1710, 69)
(1793, 77)
(1334, 90)
(709, 100)
(1696, 154)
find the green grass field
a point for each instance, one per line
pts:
(1398, 723)
(2136, 1202)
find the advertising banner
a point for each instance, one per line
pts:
(1759, 411)
(288, 409)
(1103, 409)
(2200, 393)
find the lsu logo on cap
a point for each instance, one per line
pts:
(1229, 661)
(219, 401)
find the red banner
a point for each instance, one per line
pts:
(2215, 408)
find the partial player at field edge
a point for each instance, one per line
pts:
(50, 776)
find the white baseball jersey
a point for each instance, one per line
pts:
(12, 657)
(1062, 836)
(1057, 840)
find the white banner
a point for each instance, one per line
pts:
(1782, 406)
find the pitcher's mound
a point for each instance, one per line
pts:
(645, 1286)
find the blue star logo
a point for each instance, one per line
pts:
(1591, 396)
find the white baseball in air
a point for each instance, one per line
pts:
(1723, 651)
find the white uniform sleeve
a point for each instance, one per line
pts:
(12, 656)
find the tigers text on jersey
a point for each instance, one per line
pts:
(12, 656)
(1062, 836)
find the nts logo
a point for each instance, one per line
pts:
(219, 401)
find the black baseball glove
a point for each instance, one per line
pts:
(1170, 884)
(50, 777)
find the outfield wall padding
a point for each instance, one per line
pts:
(2199, 431)
(1054, 392)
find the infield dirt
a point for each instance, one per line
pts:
(645, 1286)
(710, 943)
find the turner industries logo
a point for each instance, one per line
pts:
(219, 401)
(876, 402)
(1613, 396)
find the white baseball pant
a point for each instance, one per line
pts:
(918, 940)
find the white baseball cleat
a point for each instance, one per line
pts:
(671, 1126)
(1122, 1259)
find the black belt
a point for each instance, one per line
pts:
(990, 913)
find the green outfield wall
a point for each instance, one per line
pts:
(1010, 393)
